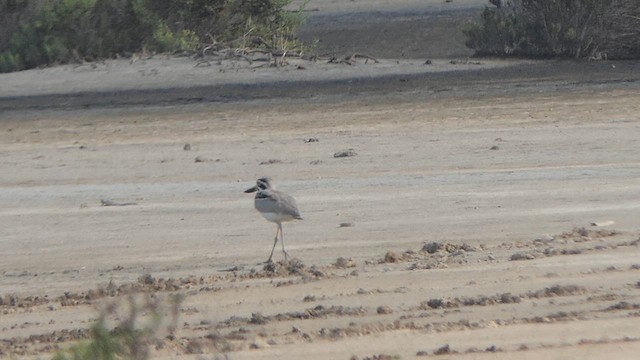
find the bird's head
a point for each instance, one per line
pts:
(263, 183)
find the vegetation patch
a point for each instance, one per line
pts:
(44, 32)
(592, 29)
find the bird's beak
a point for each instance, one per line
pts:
(253, 189)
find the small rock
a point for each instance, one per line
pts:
(435, 303)
(271, 161)
(494, 147)
(347, 224)
(258, 319)
(201, 159)
(444, 350)
(344, 263)
(428, 62)
(383, 309)
(259, 344)
(194, 347)
(458, 253)
(546, 238)
(146, 279)
(391, 257)
(311, 140)
(522, 256)
(432, 247)
(345, 153)
(187, 147)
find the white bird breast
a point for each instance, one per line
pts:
(275, 217)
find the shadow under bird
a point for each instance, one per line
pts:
(276, 207)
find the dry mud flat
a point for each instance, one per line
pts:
(489, 211)
(501, 227)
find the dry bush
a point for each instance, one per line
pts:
(592, 29)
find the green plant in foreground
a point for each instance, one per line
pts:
(132, 336)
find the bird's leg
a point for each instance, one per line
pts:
(279, 229)
(286, 256)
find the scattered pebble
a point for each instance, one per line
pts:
(271, 161)
(201, 159)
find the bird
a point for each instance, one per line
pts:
(275, 206)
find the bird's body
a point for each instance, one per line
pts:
(275, 206)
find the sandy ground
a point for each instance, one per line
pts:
(492, 206)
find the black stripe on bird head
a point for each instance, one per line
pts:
(261, 184)
(264, 183)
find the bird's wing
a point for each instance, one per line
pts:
(277, 202)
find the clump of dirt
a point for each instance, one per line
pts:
(435, 247)
(480, 300)
(584, 234)
(554, 317)
(505, 298)
(558, 290)
(444, 350)
(392, 257)
(293, 267)
(623, 305)
(271, 162)
(432, 255)
(19, 345)
(529, 255)
(376, 357)
(145, 283)
(345, 153)
(319, 311)
(345, 263)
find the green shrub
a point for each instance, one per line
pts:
(165, 40)
(9, 62)
(566, 28)
(143, 318)
(43, 32)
